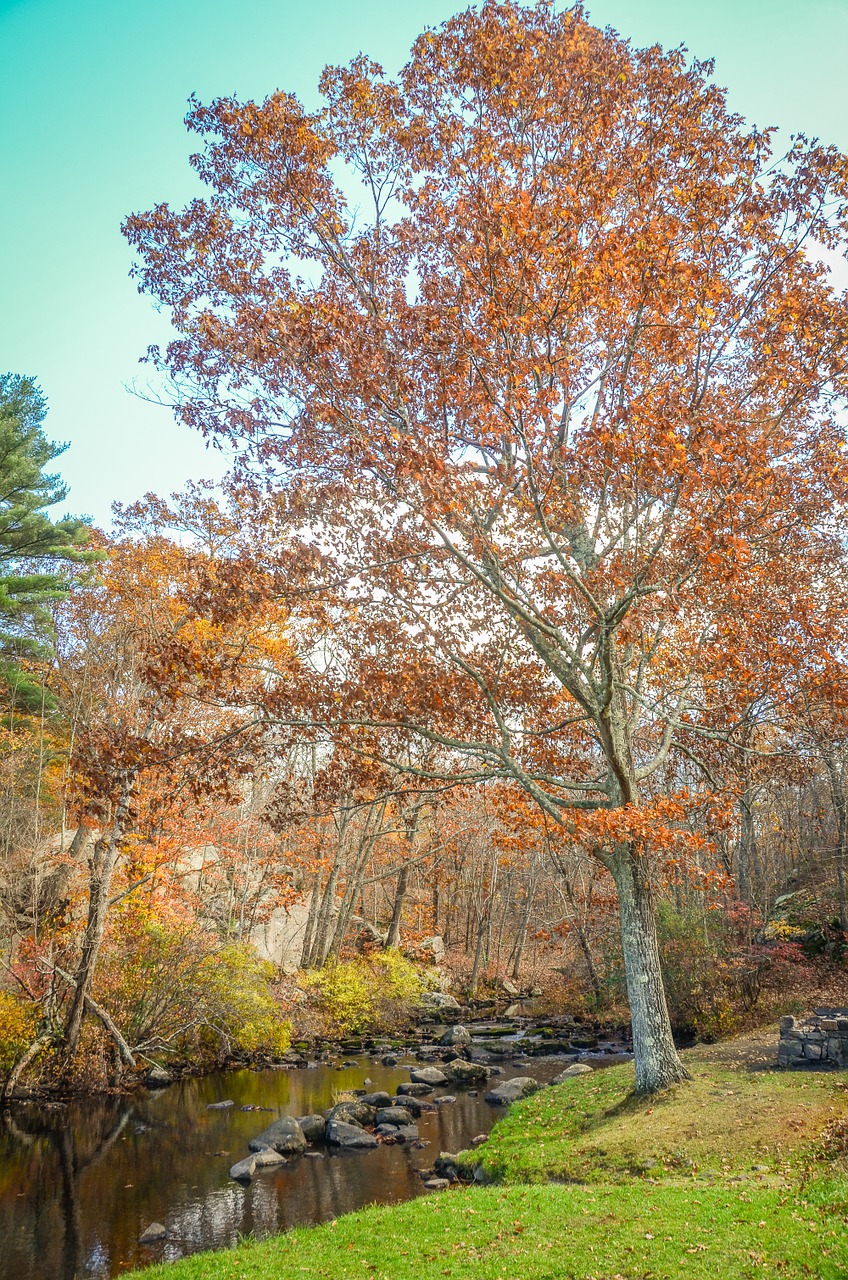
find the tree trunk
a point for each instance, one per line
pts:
(478, 954)
(42, 1042)
(589, 961)
(521, 940)
(104, 856)
(103, 1016)
(355, 876)
(321, 941)
(312, 916)
(582, 934)
(655, 1056)
(393, 936)
(836, 777)
(747, 861)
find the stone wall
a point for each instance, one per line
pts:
(821, 1040)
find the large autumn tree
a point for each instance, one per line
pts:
(543, 393)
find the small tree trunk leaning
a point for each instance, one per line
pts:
(589, 961)
(23, 1062)
(655, 1056)
(103, 1016)
(839, 797)
(522, 936)
(353, 888)
(582, 934)
(478, 955)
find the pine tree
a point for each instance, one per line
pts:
(34, 550)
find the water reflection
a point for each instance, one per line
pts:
(79, 1184)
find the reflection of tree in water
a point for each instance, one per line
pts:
(95, 1174)
(48, 1153)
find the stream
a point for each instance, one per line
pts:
(79, 1183)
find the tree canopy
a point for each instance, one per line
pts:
(527, 346)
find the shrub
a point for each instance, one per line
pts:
(703, 973)
(712, 980)
(173, 988)
(367, 993)
(17, 1029)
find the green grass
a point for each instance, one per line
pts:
(570, 1233)
(719, 1179)
(723, 1121)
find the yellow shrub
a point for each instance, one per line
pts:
(366, 993)
(167, 982)
(238, 985)
(344, 996)
(17, 1030)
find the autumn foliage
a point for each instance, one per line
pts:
(527, 586)
(547, 392)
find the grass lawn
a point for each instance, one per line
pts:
(723, 1177)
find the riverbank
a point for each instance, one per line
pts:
(742, 1172)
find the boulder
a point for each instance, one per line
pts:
(348, 1136)
(358, 1113)
(413, 1105)
(244, 1170)
(576, 1069)
(407, 1133)
(509, 987)
(511, 1090)
(268, 1158)
(437, 1184)
(389, 1060)
(415, 1089)
(158, 1078)
(284, 1135)
(447, 1097)
(220, 1106)
(430, 950)
(428, 1075)
(438, 1001)
(394, 1115)
(153, 1234)
(462, 1072)
(314, 1127)
(379, 1099)
(456, 1035)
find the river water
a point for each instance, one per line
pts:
(80, 1183)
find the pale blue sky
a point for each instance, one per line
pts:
(92, 99)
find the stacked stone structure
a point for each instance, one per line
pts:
(819, 1040)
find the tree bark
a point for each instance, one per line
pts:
(839, 796)
(747, 861)
(321, 940)
(23, 1062)
(103, 1016)
(393, 936)
(311, 917)
(104, 856)
(655, 1056)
